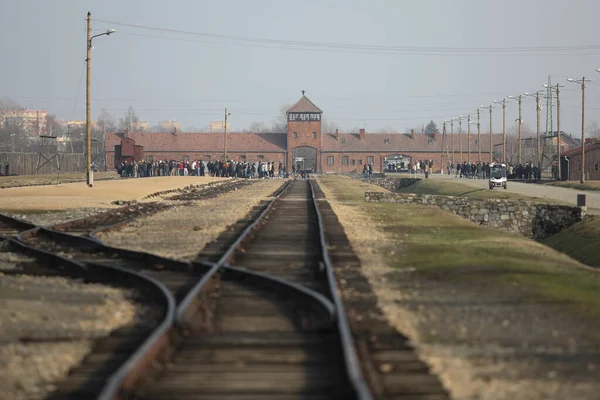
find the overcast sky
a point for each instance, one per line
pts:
(444, 58)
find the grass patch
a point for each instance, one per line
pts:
(580, 241)
(457, 189)
(589, 185)
(445, 247)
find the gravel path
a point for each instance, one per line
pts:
(484, 344)
(182, 231)
(47, 326)
(531, 189)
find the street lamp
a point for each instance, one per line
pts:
(558, 134)
(460, 137)
(582, 82)
(503, 102)
(225, 127)
(538, 108)
(491, 144)
(520, 100)
(452, 136)
(90, 174)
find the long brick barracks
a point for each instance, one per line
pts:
(305, 146)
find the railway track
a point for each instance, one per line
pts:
(71, 241)
(242, 332)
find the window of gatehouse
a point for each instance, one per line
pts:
(314, 135)
(149, 158)
(261, 157)
(359, 162)
(386, 141)
(330, 160)
(371, 160)
(243, 157)
(597, 167)
(343, 141)
(345, 160)
(207, 157)
(352, 162)
(186, 158)
(295, 135)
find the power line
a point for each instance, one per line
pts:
(328, 46)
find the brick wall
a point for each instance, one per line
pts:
(378, 160)
(304, 137)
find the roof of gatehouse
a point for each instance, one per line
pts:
(304, 105)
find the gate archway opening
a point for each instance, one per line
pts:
(304, 159)
(396, 163)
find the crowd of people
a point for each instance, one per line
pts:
(481, 170)
(227, 168)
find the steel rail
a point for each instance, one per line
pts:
(17, 222)
(184, 307)
(276, 284)
(98, 273)
(357, 379)
(127, 375)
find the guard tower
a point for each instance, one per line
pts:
(48, 154)
(304, 136)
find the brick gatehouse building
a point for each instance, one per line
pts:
(307, 147)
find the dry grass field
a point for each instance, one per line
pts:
(78, 195)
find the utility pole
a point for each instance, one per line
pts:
(460, 137)
(538, 109)
(225, 127)
(478, 136)
(88, 118)
(519, 99)
(469, 139)
(558, 176)
(443, 146)
(520, 123)
(452, 136)
(503, 102)
(582, 83)
(582, 130)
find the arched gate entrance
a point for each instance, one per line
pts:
(304, 158)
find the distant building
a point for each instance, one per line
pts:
(170, 126)
(217, 126)
(303, 146)
(571, 162)
(30, 122)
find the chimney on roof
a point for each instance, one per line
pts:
(337, 134)
(412, 133)
(362, 134)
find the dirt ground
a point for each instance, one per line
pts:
(79, 195)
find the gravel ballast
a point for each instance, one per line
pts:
(47, 326)
(181, 232)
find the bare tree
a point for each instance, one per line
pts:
(53, 127)
(258, 127)
(130, 120)
(106, 122)
(593, 129)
